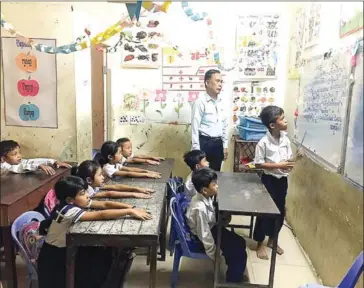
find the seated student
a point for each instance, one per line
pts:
(110, 161)
(12, 161)
(91, 172)
(194, 159)
(73, 199)
(129, 157)
(201, 218)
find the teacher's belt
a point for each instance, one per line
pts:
(206, 137)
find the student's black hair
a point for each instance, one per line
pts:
(86, 169)
(209, 74)
(194, 157)
(66, 187)
(201, 178)
(270, 114)
(122, 141)
(7, 146)
(109, 148)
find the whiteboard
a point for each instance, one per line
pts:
(354, 149)
(322, 106)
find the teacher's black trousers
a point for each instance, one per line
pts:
(214, 150)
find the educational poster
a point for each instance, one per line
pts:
(249, 98)
(30, 84)
(144, 51)
(297, 47)
(351, 18)
(313, 24)
(257, 46)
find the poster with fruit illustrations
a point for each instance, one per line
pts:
(249, 98)
(30, 84)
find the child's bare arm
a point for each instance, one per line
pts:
(128, 188)
(149, 157)
(121, 194)
(132, 169)
(152, 175)
(115, 214)
(95, 204)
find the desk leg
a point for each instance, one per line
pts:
(9, 251)
(163, 234)
(217, 252)
(236, 157)
(70, 268)
(153, 267)
(274, 255)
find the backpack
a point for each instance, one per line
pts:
(30, 240)
(50, 201)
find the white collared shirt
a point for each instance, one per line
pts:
(272, 150)
(209, 119)
(110, 169)
(92, 191)
(27, 165)
(190, 190)
(201, 218)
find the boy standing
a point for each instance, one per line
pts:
(194, 159)
(273, 154)
(202, 222)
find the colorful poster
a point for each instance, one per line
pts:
(351, 18)
(249, 98)
(30, 84)
(313, 24)
(257, 46)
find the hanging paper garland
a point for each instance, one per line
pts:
(189, 12)
(150, 6)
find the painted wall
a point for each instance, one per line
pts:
(47, 20)
(169, 140)
(325, 211)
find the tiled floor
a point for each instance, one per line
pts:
(292, 268)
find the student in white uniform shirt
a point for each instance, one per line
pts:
(273, 153)
(201, 218)
(11, 160)
(110, 162)
(194, 159)
(91, 172)
(128, 156)
(73, 200)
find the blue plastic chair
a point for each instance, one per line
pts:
(351, 278)
(19, 222)
(185, 242)
(175, 186)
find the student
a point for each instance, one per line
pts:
(91, 172)
(110, 161)
(73, 199)
(129, 157)
(194, 159)
(273, 153)
(202, 222)
(12, 161)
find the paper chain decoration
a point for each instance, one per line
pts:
(189, 12)
(83, 41)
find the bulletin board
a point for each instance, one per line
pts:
(30, 84)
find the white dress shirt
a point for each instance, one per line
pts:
(201, 218)
(209, 119)
(110, 169)
(272, 150)
(27, 165)
(190, 190)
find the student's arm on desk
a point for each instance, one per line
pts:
(127, 188)
(111, 214)
(95, 204)
(152, 175)
(121, 194)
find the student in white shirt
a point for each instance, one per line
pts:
(91, 172)
(202, 221)
(194, 159)
(129, 157)
(73, 200)
(111, 163)
(11, 160)
(273, 153)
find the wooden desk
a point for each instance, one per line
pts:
(21, 193)
(124, 232)
(244, 194)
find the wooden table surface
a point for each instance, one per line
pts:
(244, 193)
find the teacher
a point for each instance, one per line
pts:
(209, 122)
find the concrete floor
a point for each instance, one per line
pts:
(292, 268)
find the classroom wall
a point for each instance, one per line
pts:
(324, 210)
(173, 140)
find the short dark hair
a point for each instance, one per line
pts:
(201, 178)
(209, 74)
(7, 146)
(194, 157)
(122, 141)
(270, 114)
(109, 148)
(86, 169)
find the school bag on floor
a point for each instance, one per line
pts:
(31, 241)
